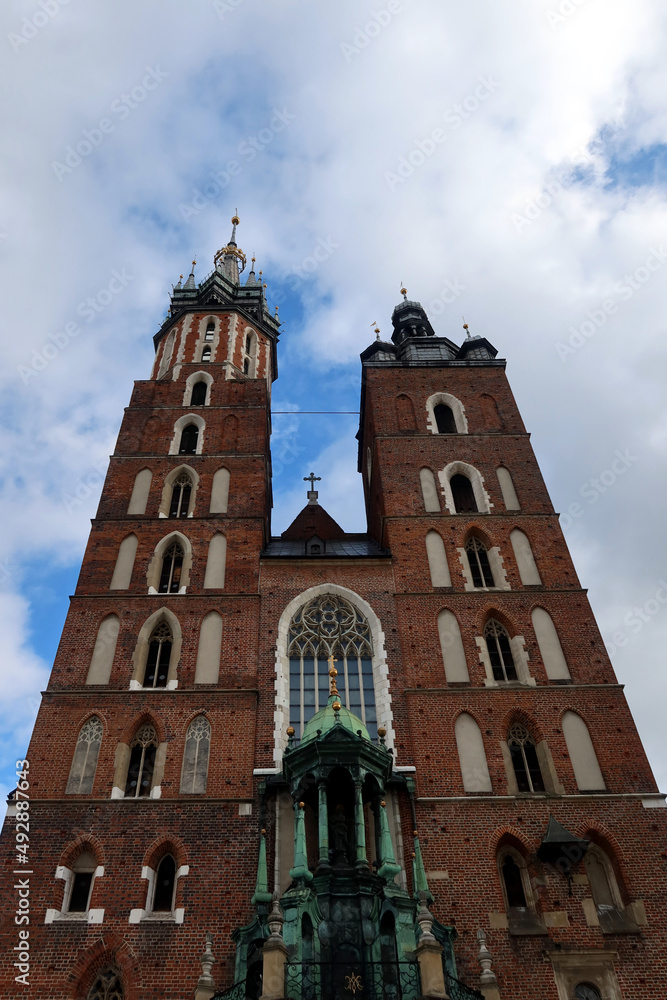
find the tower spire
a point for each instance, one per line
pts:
(230, 260)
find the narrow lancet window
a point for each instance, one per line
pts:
(180, 495)
(189, 439)
(500, 652)
(172, 566)
(524, 760)
(463, 494)
(159, 656)
(478, 560)
(142, 763)
(444, 419)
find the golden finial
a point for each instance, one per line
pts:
(263, 832)
(404, 291)
(290, 730)
(302, 805)
(235, 218)
(333, 674)
(180, 277)
(376, 329)
(382, 732)
(336, 706)
(383, 804)
(465, 326)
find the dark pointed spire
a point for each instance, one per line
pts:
(190, 283)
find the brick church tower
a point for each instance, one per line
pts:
(327, 765)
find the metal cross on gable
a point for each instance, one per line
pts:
(312, 479)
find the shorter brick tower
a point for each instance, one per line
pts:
(321, 764)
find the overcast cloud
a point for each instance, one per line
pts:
(506, 161)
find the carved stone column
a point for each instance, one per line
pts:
(323, 827)
(274, 956)
(361, 860)
(206, 984)
(487, 981)
(429, 956)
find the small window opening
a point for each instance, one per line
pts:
(172, 566)
(500, 652)
(584, 991)
(189, 439)
(478, 560)
(246, 366)
(444, 419)
(180, 496)
(524, 760)
(206, 354)
(165, 882)
(159, 656)
(198, 397)
(512, 878)
(463, 495)
(210, 329)
(248, 343)
(142, 762)
(81, 884)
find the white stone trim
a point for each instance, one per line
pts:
(231, 345)
(497, 569)
(380, 670)
(185, 330)
(188, 418)
(456, 407)
(201, 341)
(90, 916)
(482, 498)
(654, 803)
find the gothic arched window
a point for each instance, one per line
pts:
(159, 655)
(444, 419)
(210, 330)
(165, 883)
(478, 560)
(142, 762)
(463, 494)
(327, 626)
(198, 397)
(584, 991)
(500, 651)
(189, 439)
(172, 564)
(181, 491)
(524, 760)
(84, 762)
(107, 986)
(515, 894)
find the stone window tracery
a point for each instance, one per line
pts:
(172, 564)
(524, 760)
(142, 763)
(181, 493)
(478, 560)
(84, 762)
(159, 656)
(107, 986)
(326, 626)
(195, 757)
(500, 651)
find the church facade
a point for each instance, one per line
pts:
(323, 764)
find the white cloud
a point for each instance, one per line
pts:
(600, 73)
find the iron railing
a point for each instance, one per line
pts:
(352, 981)
(367, 981)
(459, 991)
(235, 992)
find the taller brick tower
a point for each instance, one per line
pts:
(324, 765)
